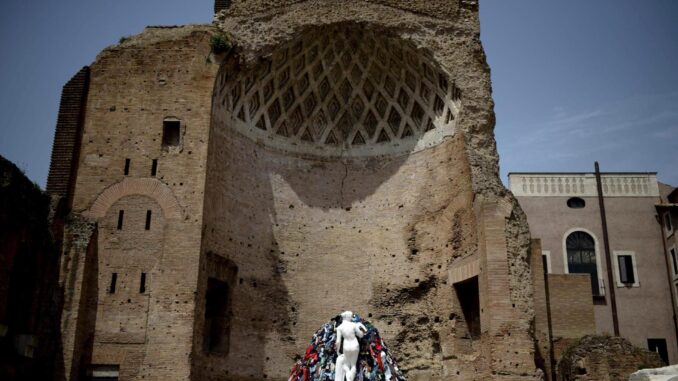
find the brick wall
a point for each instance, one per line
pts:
(68, 134)
(542, 328)
(162, 73)
(121, 317)
(506, 310)
(300, 229)
(571, 305)
(604, 358)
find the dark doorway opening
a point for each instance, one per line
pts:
(171, 133)
(659, 346)
(217, 327)
(468, 294)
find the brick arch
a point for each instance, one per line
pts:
(152, 188)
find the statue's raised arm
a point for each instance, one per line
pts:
(360, 330)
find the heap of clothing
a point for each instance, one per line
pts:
(375, 362)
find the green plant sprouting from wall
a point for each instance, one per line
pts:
(220, 43)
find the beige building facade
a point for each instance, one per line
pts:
(667, 213)
(564, 212)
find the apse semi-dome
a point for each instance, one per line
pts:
(342, 91)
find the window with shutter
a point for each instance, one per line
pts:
(626, 269)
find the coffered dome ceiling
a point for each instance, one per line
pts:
(342, 90)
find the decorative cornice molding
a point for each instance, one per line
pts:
(583, 185)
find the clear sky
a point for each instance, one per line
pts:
(574, 81)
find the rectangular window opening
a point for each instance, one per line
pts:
(626, 275)
(114, 280)
(171, 133)
(659, 346)
(668, 224)
(142, 283)
(674, 261)
(148, 220)
(217, 329)
(154, 167)
(127, 163)
(121, 216)
(468, 294)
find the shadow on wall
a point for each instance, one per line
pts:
(83, 344)
(86, 326)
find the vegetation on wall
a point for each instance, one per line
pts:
(220, 43)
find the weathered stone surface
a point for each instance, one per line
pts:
(604, 358)
(454, 43)
(134, 86)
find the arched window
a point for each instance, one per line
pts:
(581, 257)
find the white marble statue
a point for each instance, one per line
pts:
(348, 347)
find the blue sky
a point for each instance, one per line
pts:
(579, 81)
(574, 81)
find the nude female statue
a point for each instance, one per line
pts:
(348, 334)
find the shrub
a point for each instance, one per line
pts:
(220, 43)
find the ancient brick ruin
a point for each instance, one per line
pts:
(218, 202)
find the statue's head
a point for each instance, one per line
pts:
(346, 316)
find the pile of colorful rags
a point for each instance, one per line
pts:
(375, 362)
